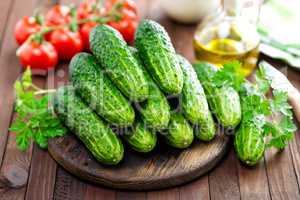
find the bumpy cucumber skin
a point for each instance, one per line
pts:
(141, 139)
(194, 103)
(180, 133)
(249, 144)
(158, 54)
(225, 104)
(115, 56)
(96, 135)
(97, 90)
(155, 111)
(224, 101)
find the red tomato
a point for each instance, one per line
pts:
(127, 25)
(58, 15)
(66, 42)
(85, 33)
(128, 5)
(24, 28)
(38, 56)
(86, 9)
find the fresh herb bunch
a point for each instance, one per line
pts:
(269, 109)
(35, 119)
(228, 75)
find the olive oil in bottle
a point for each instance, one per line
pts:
(225, 39)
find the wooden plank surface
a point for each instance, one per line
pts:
(253, 182)
(15, 164)
(223, 181)
(195, 190)
(5, 7)
(276, 178)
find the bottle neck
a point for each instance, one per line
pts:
(247, 10)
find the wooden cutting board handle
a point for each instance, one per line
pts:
(294, 98)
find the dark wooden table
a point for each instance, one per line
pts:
(34, 175)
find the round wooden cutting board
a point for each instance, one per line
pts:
(164, 167)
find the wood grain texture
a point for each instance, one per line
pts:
(198, 189)
(164, 167)
(9, 71)
(169, 194)
(5, 7)
(223, 181)
(94, 192)
(42, 176)
(253, 182)
(282, 178)
(67, 187)
(130, 195)
(295, 151)
(293, 75)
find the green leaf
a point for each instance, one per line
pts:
(23, 140)
(280, 103)
(35, 120)
(229, 75)
(262, 82)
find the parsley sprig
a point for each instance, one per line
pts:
(34, 116)
(271, 113)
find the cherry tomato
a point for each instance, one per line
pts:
(87, 9)
(128, 5)
(66, 42)
(39, 56)
(24, 28)
(85, 33)
(58, 15)
(127, 25)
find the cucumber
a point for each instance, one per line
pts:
(141, 139)
(115, 56)
(249, 144)
(180, 133)
(97, 90)
(194, 104)
(155, 111)
(225, 104)
(224, 101)
(95, 134)
(158, 54)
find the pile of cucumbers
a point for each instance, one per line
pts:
(123, 86)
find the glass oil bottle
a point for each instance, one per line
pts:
(230, 35)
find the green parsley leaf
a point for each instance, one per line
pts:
(35, 120)
(263, 84)
(229, 75)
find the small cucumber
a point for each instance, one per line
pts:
(180, 133)
(194, 103)
(158, 54)
(97, 90)
(141, 139)
(155, 111)
(249, 144)
(224, 100)
(95, 134)
(109, 47)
